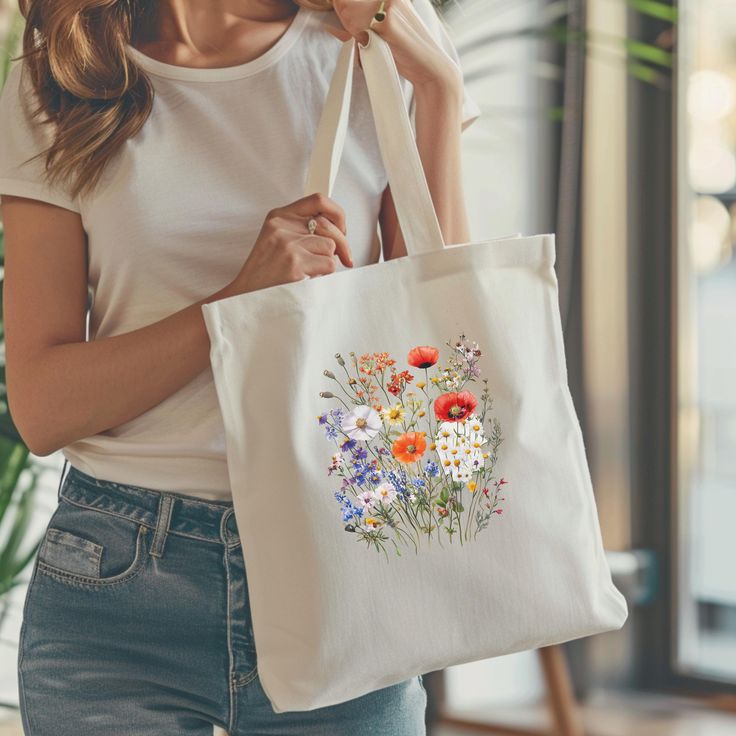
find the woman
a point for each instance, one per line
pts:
(169, 176)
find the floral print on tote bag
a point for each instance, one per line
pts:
(416, 465)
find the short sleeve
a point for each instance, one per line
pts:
(437, 27)
(22, 137)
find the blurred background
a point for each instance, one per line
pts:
(613, 124)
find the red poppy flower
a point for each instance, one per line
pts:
(454, 406)
(409, 447)
(424, 356)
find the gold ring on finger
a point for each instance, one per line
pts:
(380, 14)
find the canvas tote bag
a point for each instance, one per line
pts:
(408, 472)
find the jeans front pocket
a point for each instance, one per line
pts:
(92, 548)
(68, 551)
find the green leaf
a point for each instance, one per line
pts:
(643, 73)
(648, 52)
(655, 9)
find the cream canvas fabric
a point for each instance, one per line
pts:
(407, 468)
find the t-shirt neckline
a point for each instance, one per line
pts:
(217, 74)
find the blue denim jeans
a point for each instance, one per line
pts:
(137, 622)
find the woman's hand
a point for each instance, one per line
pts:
(418, 56)
(285, 251)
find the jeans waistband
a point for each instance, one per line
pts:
(163, 511)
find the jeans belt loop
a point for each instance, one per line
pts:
(165, 505)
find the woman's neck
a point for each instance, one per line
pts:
(213, 33)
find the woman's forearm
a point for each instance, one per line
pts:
(438, 110)
(141, 368)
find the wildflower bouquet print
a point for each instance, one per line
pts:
(416, 458)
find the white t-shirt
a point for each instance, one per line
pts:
(179, 207)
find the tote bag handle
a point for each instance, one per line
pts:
(414, 208)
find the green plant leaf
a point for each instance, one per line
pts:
(648, 52)
(655, 9)
(18, 529)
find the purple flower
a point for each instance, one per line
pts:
(360, 453)
(348, 444)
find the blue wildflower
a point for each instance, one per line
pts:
(338, 414)
(398, 479)
(432, 469)
(323, 418)
(419, 482)
(362, 471)
(347, 513)
(331, 432)
(348, 510)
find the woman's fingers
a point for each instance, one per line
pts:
(318, 204)
(327, 232)
(330, 218)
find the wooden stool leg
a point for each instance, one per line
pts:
(560, 697)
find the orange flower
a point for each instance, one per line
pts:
(409, 447)
(424, 356)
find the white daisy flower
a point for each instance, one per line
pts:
(384, 493)
(460, 447)
(366, 499)
(362, 423)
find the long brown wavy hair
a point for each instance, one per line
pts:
(89, 90)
